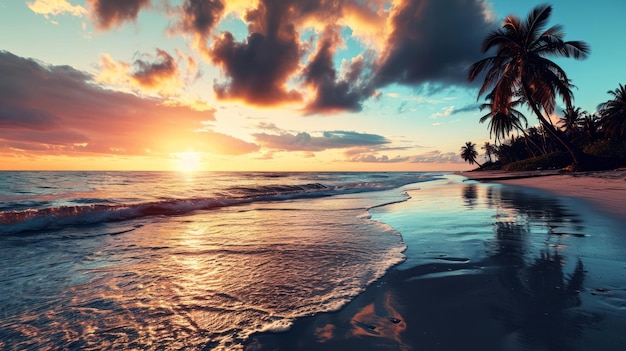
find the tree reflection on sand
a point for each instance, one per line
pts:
(542, 308)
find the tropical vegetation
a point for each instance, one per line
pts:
(469, 153)
(520, 74)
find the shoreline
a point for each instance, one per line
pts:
(603, 189)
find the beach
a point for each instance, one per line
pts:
(525, 263)
(309, 261)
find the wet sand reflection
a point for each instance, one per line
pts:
(534, 284)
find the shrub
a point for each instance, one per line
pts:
(555, 160)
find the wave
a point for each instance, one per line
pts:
(89, 211)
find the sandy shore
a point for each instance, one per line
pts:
(605, 189)
(488, 268)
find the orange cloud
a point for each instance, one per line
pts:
(55, 7)
(368, 21)
(57, 110)
(160, 73)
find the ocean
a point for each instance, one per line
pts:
(170, 261)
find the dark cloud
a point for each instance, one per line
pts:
(328, 140)
(426, 42)
(333, 94)
(58, 109)
(150, 74)
(199, 17)
(433, 41)
(12, 117)
(468, 108)
(259, 67)
(340, 137)
(110, 13)
(430, 42)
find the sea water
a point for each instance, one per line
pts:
(169, 261)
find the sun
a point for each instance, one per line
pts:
(188, 161)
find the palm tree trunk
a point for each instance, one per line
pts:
(532, 152)
(548, 126)
(527, 139)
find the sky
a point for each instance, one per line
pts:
(266, 85)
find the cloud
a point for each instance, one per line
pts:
(432, 41)
(160, 73)
(304, 141)
(155, 74)
(373, 158)
(467, 108)
(437, 156)
(24, 118)
(224, 144)
(332, 94)
(376, 154)
(199, 17)
(290, 54)
(48, 109)
(259, 67)
(55, 7)
(111, 13)
(447, 111)
(267, 126)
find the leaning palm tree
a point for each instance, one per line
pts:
(469, 153)
(613, 113)
(519, 67)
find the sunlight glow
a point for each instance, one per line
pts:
(188, 161)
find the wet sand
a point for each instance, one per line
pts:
(606, 189)
(488, 267)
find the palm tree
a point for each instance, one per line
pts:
(490, 150)
(590, 126)
(501, 124)
(520, 67)
(613, 113)
(469, 153)
(572, 121)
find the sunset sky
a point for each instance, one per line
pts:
(268, 85)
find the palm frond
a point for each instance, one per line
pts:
(494, 39)
(535, 22)
(577, 49)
